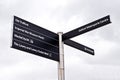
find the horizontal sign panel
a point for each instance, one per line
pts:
(34, 39)
(86, 28)
(20, 45)
(79, 46)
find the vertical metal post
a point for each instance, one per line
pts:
(61, 75)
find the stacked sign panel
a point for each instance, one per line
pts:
(34, 39)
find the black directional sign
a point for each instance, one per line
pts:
(88, 27)
(34, 39)
(31, 38)
(79, 46)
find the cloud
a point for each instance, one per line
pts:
(63, 15)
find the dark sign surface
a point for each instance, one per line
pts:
(34, 39)
(79, 46)
(91, 26)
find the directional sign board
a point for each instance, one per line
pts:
(79, 46)
(91, 26)
(31, 38)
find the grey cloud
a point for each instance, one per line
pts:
(109, 58)
(91, 68)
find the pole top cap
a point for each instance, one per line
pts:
(60, 33)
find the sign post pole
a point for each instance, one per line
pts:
(61, 75)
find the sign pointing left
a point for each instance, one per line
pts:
(31, 38)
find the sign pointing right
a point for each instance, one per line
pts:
(79, 46)
(88, 27)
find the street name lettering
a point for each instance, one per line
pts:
(21, 22)
(32, 49)
(93, 25)
(29, 33)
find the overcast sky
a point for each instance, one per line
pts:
(62, 15)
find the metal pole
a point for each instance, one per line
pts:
(61, 75)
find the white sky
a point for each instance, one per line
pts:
(62, 15)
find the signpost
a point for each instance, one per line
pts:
(31, 38)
